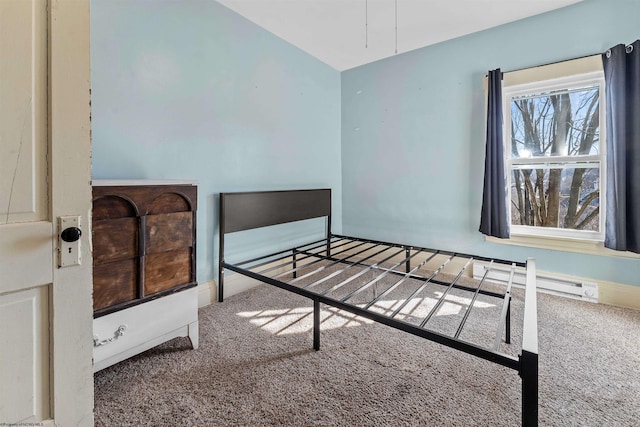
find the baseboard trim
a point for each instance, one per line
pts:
(619, 295)
(207, 293)
(233, 284)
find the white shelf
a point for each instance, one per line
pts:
(128, 182)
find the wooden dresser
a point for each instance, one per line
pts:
(144, 266)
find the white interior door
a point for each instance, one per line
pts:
(45, 310)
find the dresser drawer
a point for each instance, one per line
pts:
(124, 333)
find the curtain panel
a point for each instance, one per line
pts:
(493, 217)
(622, 90)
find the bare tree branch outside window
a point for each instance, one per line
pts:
(556, 187)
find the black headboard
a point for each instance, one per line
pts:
(244, 211)
(248, 210)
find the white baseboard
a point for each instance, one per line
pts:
(207, 293)
(619, 294)
(233, 284)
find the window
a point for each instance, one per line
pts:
(555, 156)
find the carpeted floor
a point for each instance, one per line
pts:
(255, 367)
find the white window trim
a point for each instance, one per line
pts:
(583, 71)
(590, 247)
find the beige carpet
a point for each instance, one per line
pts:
(255, 367)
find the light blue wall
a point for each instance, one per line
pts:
(190, 90)
(413, 133)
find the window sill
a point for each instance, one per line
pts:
(562, 244)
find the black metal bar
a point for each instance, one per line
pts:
(399, 282)
(329, 258)
(507, 332)
(360, 273)
(436, 282)
(309, 246)
(221, 249)
(316, 324)
(277, 266)
(336, 273)
(294, 270)
(436, 307)
(473, 300)
(286, 251)
(461, 254)
(329, 235)
(505, 309)
(407, 253)
(421, 288)
(529, 375)
(294, 265)
(466, 347)
(324, 267)
(377, 278)
(307, 254)
(288, 255)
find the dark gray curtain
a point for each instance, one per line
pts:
(622, 81)
(493, 218)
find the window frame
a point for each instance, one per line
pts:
(569, 81)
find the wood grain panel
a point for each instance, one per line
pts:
(153, 199)
(168, 232)
(108, 207)
(168, 202)
(167, 269)
(114, 283)
(115, 239)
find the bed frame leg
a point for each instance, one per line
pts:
(316, 324)
(507, 337)
(407, 252)
(295, 272)
(529, 374)
(221, 282)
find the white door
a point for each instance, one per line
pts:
(45, 311)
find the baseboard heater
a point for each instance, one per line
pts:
(546, 282)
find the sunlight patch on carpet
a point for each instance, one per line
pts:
(299, 319)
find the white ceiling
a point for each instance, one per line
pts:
(348, 33)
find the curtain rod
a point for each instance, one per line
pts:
(570, 59)
(554, 62)
(551, 63)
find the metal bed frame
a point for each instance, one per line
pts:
(249, 210)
